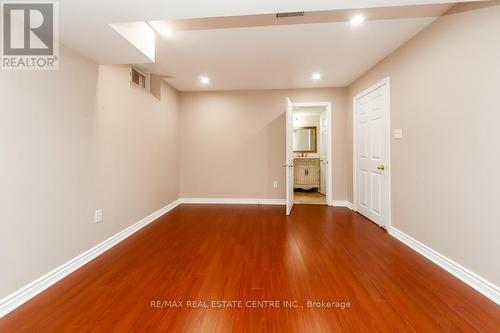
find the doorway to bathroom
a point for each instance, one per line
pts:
(309, 161)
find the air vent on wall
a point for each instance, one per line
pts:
(140, 78)
(290, 14)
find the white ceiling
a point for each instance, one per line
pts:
(278, 56)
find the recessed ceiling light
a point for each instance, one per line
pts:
(166, 31)
(316, 76)
(357, 20)
(204, 79)
(162, 28)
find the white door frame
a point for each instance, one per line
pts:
(289, 156)
(387, 81)
(329, 138)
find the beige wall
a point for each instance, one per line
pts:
(233, 142)
(445, 85)
(72, 141)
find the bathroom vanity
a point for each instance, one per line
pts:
(306, 172)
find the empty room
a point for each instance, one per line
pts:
(249, 166)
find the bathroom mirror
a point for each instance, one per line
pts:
(304, 140)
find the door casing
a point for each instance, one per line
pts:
(289, 155)
(329, 138)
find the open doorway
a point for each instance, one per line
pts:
(310, 174)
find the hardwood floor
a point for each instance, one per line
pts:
(251, 253)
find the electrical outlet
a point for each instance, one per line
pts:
(275, 184)
(98, 216)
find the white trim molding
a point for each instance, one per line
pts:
(329, 138)
(233, 201)
(341, 203)
(246, 201)
(29, 291)
(477, 282)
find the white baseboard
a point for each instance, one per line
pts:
(233, 201)
(477, 282)
(29, 291)
(245, 201)
(341, 203)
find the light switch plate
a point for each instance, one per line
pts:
(398, 133)
(98, 216)
(275, 184)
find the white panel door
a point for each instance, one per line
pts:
(289, 156)
(371, 154)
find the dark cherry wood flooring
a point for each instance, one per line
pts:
(208, 254)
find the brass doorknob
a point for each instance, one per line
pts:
(381, 167)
